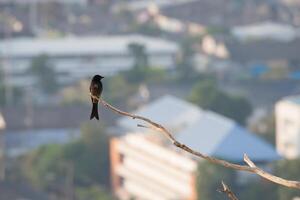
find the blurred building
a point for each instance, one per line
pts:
(258, 47)
(147, 166)
(287, 112)
(2, 148)
(42, 1)
(265, 30)
(78, 57)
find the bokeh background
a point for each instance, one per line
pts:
(222, 75)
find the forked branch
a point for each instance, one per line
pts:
(225, 189)
(252, 168)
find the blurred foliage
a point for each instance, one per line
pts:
(185, 63)
(210, 177)
(45, 73)
(48, 167)
(207, 95)
(258, 189)
(149, 75)
(138, 52)
(147, 28)
(118, 90)
(209, 180)
(141, 71)
(140, 63)
(288, 169)
(15, 92)
(77, 94)
(217, 30)
(265, 127)
(94, 192)
(2, 87)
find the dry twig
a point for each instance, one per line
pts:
(252, 168)
(228, 192)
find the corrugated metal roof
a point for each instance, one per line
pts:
(173, 112)
(239, 142)
(261, 50)
(218, 136)
(205, 131)
(69, 46)
(265, 30)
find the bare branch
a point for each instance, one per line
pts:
(228, 192)
(252, 168)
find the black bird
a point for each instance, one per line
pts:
(96, 90)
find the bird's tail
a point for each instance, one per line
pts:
(95, 111)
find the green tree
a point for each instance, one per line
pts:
(118, 89)
(185, 64)
(265, 127)
(210, 177)
(94, 192)
(207, 95)
(44, 71)
(2, 87)
(139, 69)
(148, 28)
(138, 51)
(47, 167)
(258, 189)
(15, 93)
(70, 94)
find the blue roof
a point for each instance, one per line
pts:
(239, 141)
(218, 136)
(204, 131)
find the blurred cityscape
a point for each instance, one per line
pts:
(222, 75)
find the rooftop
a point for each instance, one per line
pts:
(174, 113)
(69, 46)
(205, 131)
(265, 30)
(218, 136)
(260, 50)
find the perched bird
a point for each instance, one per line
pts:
(96, 90)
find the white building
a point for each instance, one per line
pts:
(82, 2)
(287, 113)
(79, 57)
(265, 30)
(144, 165)
(2, 147)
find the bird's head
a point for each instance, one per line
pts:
(98, 77)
